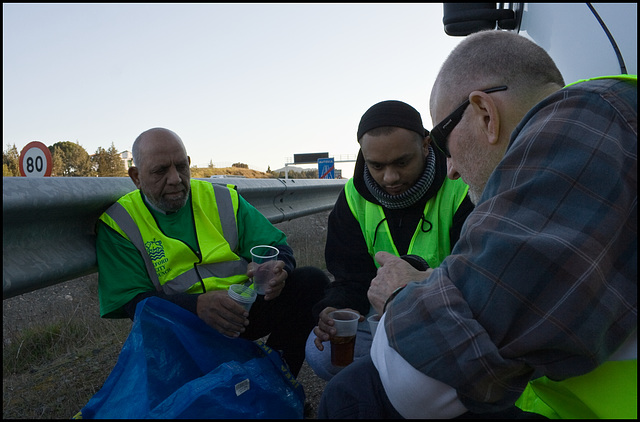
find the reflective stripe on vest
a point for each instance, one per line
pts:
(608, 392)
(431, 238)
(216, 233)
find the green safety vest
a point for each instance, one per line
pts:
(171, 264)
(433, 244)
(608, 392)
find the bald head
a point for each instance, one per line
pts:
(493, 58)
(150, 138)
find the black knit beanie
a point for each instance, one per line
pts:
(391, 113)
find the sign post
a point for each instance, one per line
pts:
(326, 168)
(35, 160)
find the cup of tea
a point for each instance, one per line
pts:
(343, 343)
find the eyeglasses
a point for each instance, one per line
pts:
(441, 132)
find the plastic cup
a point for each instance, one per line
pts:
(244, 295)
(343, 343)
(266, 257)
(373, 323)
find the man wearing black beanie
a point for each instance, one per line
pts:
(399, 201)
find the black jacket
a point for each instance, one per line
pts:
(346, 252)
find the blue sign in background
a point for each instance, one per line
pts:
(326, 168)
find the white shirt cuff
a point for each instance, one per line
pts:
(413, 394)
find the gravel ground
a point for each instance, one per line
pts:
(60, 387)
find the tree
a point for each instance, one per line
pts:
(70, 159)
(108, 163)
(309, 174)
(240, 165)
(57, 161)
(10, 161)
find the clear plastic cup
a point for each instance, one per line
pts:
(242, 294)
(343, 343)
(373, 323)
(266, 257)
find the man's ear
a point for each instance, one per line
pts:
(486, 115)
(425, 145)
(134, 175)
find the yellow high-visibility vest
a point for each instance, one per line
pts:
(171, 264)
(430, 240)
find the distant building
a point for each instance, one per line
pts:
(289, 168)
(127, 159)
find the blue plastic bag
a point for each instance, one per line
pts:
(173, 365)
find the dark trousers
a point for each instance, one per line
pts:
(356, 392)
(288, 319)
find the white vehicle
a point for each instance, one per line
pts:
(584, 39)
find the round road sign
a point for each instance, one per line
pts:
(35, 160)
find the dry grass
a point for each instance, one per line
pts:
(57, 351)
(204, 173)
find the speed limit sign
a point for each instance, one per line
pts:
(35, 160)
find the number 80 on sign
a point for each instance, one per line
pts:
(35, 160)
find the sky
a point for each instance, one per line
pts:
(249, 83)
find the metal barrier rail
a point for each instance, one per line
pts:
(48, 223)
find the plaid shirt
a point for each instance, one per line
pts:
(543, 280)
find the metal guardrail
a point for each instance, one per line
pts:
(49, 223)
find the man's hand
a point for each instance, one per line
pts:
(222, 313)
(393, 273)
(324, 330)
(277, 282)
